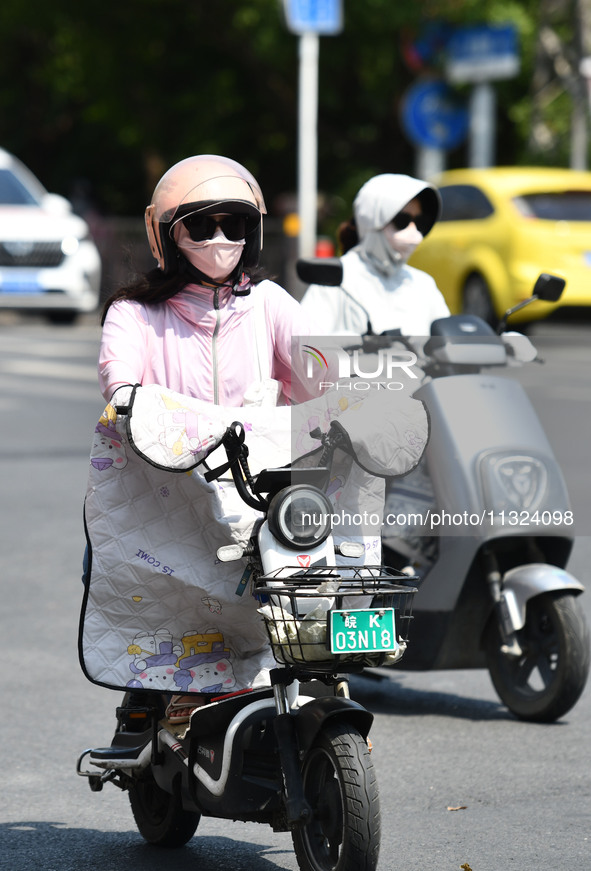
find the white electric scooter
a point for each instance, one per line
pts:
(296, 759)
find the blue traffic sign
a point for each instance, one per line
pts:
(324, 17)
(482, 53)
(433, 117)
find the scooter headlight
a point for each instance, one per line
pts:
(300, 517)
(514, 481)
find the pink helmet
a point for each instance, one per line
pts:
(209, 184)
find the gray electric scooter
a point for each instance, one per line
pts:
(492, 527)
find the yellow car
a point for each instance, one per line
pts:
(500, 228)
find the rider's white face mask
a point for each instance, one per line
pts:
(404, 242)
(216, 258)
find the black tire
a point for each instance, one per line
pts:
(341, 788)
(158, 816)
(547, 680)
(477, 299)
(65, 318)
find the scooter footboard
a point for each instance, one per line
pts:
(522, 583)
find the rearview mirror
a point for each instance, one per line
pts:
(549, 287)
(320, 270)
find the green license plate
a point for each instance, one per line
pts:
(367, 631)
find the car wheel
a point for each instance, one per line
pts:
(477, 299)
(63, 317)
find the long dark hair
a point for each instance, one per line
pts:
(347, 235)
(154, 287)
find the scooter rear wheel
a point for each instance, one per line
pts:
(158, 816)
(341, 788)
(546, 681)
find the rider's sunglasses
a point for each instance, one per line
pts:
(202, 227)
(421, 222)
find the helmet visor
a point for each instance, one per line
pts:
(219, 192)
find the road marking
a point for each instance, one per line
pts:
(48, 369)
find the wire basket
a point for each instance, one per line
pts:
(295, 605)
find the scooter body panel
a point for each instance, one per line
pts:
(481, 426)
(234, 770)
(226, 770)
(476, 423)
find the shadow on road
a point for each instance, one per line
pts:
(386, 694)
(50, 845)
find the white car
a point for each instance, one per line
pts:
(48, 262)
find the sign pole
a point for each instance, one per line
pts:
(429, 162)
(478, 55)
(482, 125)
(308, 142)
(309, 19)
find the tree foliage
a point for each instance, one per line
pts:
(114, 93)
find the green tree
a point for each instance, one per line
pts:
(114, 93)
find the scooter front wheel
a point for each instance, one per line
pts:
(341, 788)
(546, 680)
(158, 816)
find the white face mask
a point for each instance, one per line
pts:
(404, 241)
(216, 258)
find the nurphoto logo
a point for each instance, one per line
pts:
(361, 371)
(314, 354)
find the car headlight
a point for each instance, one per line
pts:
(300, 517)
(70, 245)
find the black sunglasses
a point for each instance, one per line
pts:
(421, 222)
(202, 227)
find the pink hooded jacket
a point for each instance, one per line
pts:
(203, 343)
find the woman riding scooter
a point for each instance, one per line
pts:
(392, 215)
(191, 323)
(494, 594)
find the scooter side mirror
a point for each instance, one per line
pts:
(327, 271)
(549, 287)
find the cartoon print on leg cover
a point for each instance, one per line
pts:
(207, 661)
(200, 663)
(155, 660)
(108, 449)
(181, 428)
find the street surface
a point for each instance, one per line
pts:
(463, 784)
